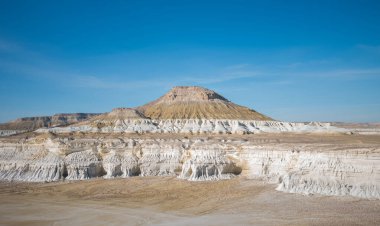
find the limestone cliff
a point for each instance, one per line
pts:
(194, 134)
(309, 168)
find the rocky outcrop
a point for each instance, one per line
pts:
(210, 162)
(4, 133)
(130, 142)
(195, 126)
(359, 128)
(204, 126)
(160, 158)
(307, 168)
(83, 165)
(121, 159)
(314, 169)
(19, 162)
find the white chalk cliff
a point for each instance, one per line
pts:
(186, 134)
(197, 126)
(301, 168)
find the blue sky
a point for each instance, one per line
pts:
(291, 60)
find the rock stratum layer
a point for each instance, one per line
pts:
(304, 167)
(195, 134)
(191, 102)
(129, 120)
(194, 126)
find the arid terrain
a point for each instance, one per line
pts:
(171, 201)
(190, 157)
(168, 200)
(196, 113)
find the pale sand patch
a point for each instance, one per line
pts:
(170, 201)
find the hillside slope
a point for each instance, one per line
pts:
(192, 102)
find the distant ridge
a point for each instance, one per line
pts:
(33, 123)
(181, 102)
(113, 117)
(120, 114)
(117, 117)
(193, 102)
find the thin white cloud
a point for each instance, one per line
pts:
(104, 83)
(374, 71)
(371, 48)
(229, 73)
(237, 66)
(6, 46)
(211, 79)
(30, 63)
(115, 82)
(349, 73)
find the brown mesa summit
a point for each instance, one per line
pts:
(193, 102)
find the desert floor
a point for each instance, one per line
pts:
(171, 201)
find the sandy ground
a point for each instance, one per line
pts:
(170, 201)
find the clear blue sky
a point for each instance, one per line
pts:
(292, 60)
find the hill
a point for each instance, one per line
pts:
(193, 102)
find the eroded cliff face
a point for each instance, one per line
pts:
(317, 169)
(29, 162)
(193, 126)
(309, 168)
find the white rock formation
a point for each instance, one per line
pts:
(316, 169)
(83, 165)
(307, 168)
(160, 158)
(210, 162)
(197, 126)
(121, 163)
(21, 162)
(125, 143)
(5, 133)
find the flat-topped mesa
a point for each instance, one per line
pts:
(33, 123)
(190, 94)
(191, 110)
(192, 102)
